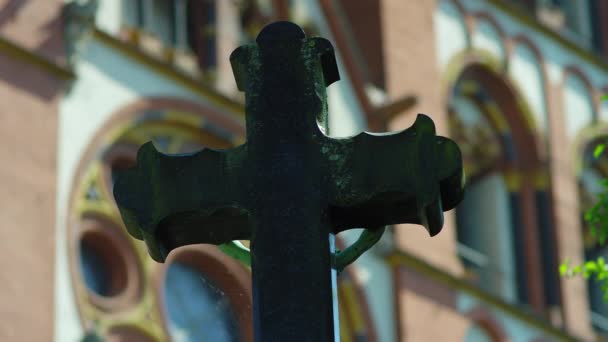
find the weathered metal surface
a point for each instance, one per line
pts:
(289, 186)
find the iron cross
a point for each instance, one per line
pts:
(290, 186)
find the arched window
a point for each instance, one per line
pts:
(504, 226)
(484, 225)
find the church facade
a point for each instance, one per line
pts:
(517, 84)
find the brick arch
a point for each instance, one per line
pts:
(506, 98)
(459, 6)
(581, 134)
(467, 19)
(459, 63)
(489, 18)
(575, 71)
(496, 71)
(486, 320)
(522, 40)
(529, 43)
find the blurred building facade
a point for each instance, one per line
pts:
(516, 83)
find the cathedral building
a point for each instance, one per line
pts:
(518, 84)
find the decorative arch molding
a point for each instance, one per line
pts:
(460, 62)
(573, 70)
(485, 17)
(527, 175)
(485, 319)
(519, 114)
(488, 17)
(445, 52)
(538, 101)
(464, 14)
(90, 197)
(529, 43)
(575, 74)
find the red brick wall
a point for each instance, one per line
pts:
(409, 56)
(363, 17)
(28, 143)
(34, 24)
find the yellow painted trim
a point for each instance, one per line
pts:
(541, 179)
(345, 335)
(404, 259)
(20, 53)
(469, 88)
(185, 118)
(461, 60)
(497, 117)
(513, 180)
(170, 72)
(352, 306)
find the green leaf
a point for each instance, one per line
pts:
(599, 149)
(604, 97)
(591, 266)
(563, 269)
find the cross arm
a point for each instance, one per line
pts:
(407, 177)
(174, 200)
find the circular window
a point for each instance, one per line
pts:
(107, 265)
(103, 270)
(197, 309)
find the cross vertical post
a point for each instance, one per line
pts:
(290, 186)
